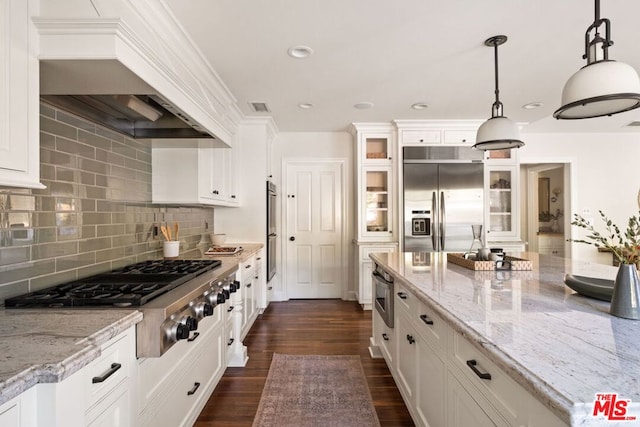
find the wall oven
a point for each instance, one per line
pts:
(271, 230)
(383, 289)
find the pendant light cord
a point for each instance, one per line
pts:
(496, 110)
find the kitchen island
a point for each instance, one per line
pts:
(559, 347)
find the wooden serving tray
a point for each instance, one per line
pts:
(223, 250)
(515, 263)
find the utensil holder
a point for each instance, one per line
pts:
(171, 249)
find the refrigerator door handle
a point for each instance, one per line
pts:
(434, 223)
(442, 221)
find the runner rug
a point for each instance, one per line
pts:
(314, 390)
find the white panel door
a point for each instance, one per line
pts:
(314, 260)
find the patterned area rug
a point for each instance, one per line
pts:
(316, 391)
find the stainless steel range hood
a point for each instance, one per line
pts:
(109, 94)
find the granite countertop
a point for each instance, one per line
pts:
(48, 345)
(561, 347)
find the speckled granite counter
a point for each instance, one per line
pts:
(561, 347)
(44, 346)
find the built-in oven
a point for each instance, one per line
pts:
(271, 230)
(383, 288)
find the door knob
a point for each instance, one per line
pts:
(292, 238)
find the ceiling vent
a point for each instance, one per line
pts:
(260, 107)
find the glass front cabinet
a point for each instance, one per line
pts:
(375, 187)
(502, 210)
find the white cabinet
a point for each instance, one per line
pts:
(19, 96)
(502, 209)
(445, 381)
(250, 291)
(428, 132)
(21, 411)
(365, 285)
(101, 393)
(375, 184)
(173, 389)
(193, 172)
(551, 244)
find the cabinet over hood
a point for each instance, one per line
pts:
(135, 74)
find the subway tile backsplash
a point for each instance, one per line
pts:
(95, 214)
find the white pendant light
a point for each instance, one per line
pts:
(499, 132)
(602, 87)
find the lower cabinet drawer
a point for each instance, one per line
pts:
(110, 369)
(508, 397)
(431, 326)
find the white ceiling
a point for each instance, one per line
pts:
(397, 53)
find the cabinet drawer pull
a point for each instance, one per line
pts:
(385, 337)
(410, 339)
(195, 335)
(230, 309)
(112, 370)
(258, 259)
(402, 295)
(426, 319)
(230, 341)
(248, 266)
(483, 375)
(194, 389)
(248, 285)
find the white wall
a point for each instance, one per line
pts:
(315, 145)
(605, 171)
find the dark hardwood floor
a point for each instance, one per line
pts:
(302, 327)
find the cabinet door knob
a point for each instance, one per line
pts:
(292, 238)
(385, 337)
(410, 339)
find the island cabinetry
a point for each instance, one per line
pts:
(420, 367)
(98, 394)
(193, 172)
(173, 389)
(384, 339)
(446, 381)
(19, 90)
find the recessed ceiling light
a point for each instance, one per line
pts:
(532, 105)
(305, 105)
(363, 105)
(420, 106)
(300, 51)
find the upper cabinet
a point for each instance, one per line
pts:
(375, 146)
(423, 132)
(19, 96)
(193, 172)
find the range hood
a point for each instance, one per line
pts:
(139, 116)
(109, 94)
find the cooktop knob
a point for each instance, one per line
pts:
(191, 323)
(226, 293)
(221, 298)
(207, 309)
(182, 332)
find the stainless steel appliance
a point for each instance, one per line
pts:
(443, 197)
(272, 234)
(173, 296)
(383, 288)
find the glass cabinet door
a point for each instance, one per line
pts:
(377, 201)
(502, 218)
(377, 149)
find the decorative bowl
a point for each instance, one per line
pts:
(218, 239)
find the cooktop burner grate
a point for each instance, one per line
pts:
(133, 285)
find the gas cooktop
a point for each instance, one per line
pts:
(133, 285)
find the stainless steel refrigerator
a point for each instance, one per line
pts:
(443, 198)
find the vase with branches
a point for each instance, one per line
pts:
(625, 246)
